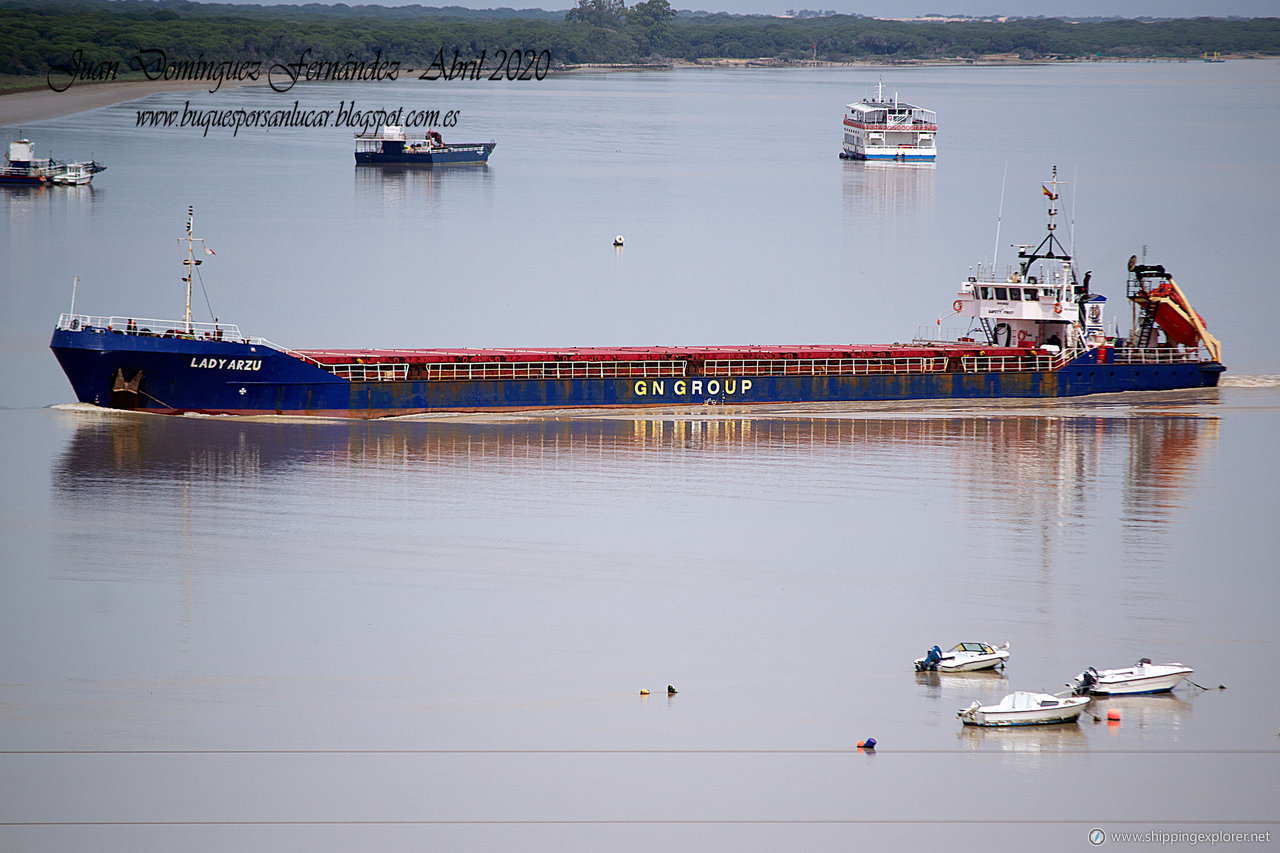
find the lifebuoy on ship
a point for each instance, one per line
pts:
(1057, 307)
(958, 305)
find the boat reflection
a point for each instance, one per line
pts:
(1064, 737)
(401, 187)
(1154, 716)
(960, 688)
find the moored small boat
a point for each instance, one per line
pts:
(23, 167)
(76, 174)
(1025, 709)
(963, 657)
(1142, 677)
(391, 146)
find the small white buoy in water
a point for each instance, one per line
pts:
(617, 241)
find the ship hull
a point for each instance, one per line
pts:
(173, 375)
(26, 180)
(887, 155)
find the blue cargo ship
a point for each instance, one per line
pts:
(391, 146)
(1035, 331)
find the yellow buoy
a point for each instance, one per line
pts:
(644, 691)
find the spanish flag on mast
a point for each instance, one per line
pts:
(1046, 191)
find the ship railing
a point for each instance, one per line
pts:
(1157, 355)
(823, 366)
(877, 123)
(148, 327)
(472, 370)
(1028, 361)
(377, 372)
(939, 334)
(298, 355)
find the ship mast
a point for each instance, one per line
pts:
(1046, 247)
(191, 262)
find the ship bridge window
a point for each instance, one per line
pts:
(985, 292)
(1046, 292)
(1015, 295)
(1002, 293)
(1030, 295)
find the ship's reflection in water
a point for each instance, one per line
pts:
(1027, 483)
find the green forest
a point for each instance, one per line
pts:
(38, 35)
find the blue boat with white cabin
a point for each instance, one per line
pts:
(391, 146)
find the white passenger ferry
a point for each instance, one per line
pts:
(877, 128)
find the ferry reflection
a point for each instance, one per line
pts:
(886, 188)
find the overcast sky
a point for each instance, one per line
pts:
(908, 8)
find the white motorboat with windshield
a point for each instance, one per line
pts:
(1142, 677)
(1025, 709)
(963, 657)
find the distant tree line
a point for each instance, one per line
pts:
(36, 35)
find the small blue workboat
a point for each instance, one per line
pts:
(391, 146)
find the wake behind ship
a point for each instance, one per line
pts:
(1034, 331)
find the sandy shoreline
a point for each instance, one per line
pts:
(44, 103)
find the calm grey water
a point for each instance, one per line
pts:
(270, 635)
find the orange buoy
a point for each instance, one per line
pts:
(1114, 715)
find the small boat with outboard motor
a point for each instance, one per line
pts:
(1025, 709)
(963, 657)
(1142, 677)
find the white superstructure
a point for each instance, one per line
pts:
(1039, 303)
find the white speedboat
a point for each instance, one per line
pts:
(1025, 709)
(1142, 677)
(963, 657)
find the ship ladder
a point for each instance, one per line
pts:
(985, 324)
